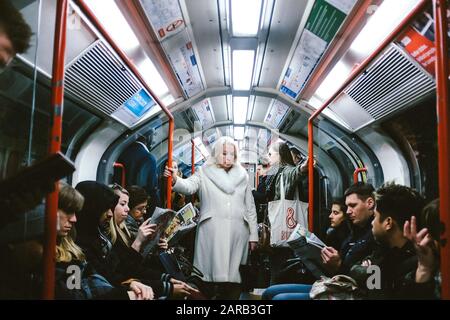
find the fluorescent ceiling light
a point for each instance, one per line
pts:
(386, 17)
(152, 77)
(245, 17)
(239, 133)
(168, 99)
(240, 106)
(113, 20)
(242, 69)
(118, 28)
(229, 107)
(333, 81)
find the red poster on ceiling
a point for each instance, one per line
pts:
(418, 40)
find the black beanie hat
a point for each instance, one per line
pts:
(98, 198)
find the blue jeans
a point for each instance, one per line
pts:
(287, 292)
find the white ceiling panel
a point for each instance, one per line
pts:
(219, 106)
(285, 22)
(203, 16)
(260, 108)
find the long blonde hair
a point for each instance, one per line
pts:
(70, 201)
(119, 230)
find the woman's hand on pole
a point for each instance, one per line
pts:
(171, 172)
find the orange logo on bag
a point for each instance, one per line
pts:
(290, 220)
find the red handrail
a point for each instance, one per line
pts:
(356, 172)
(443, 127)
(391, 37)
(133, 68)
(257, 179)
(122, 178)
(193, 157)
(57, 101)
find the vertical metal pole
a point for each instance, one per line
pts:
(57, 100)
(123, 174)
(88, 12)
(193, 157)
(443, 127)
(391, 37)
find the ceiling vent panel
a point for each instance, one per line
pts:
(99, 78)
(393, 82)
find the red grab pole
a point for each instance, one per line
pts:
(391, 37)
(122, 175)
(57, 100)
(88, 12)
(356, 172)
(443, 127)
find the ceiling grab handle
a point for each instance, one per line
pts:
(357, 172)
(85, 9)
(391, 37)
(57, 101)
(443, 127)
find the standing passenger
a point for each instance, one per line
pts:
(227, 225)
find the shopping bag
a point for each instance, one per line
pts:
(284, 215)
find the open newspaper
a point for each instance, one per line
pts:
(171, 225)
(183, 222)
(162, 218)
(310, 237)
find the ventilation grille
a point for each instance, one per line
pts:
(100, 79)
(390, 84)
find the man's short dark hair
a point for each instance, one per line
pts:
(362, 190)
(398, 202)
(15, 27)
(138, 195)
(341, 203)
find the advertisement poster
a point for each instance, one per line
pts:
(133, 109)
(418, 41)
(165, 16)
(276, 113)
(204, 113)
(181, 55)
(322, 25)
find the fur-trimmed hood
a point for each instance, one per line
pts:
(226, 181)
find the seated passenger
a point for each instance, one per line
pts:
(138, 209)
(93, 221)
(125, 247)
(71, 261)
(427, 276)
(395, 258)
(339, 224)
(360, 201)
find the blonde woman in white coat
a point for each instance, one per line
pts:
(227, 227)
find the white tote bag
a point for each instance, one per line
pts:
(284, 215)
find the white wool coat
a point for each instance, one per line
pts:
(227, 220)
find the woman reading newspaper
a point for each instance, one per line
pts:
(227, 227)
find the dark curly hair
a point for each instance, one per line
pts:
(13, 24)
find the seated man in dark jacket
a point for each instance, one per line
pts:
(360, 201)
(395, 257)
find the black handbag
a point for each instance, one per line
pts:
(180, 268)
(256, 273)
